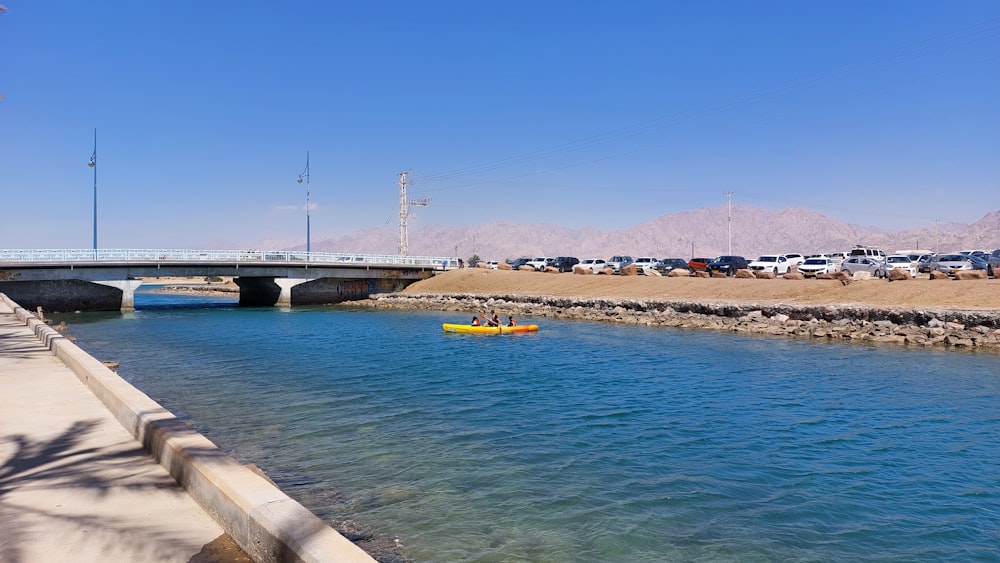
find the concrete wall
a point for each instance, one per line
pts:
(63, 296)
(263, 520)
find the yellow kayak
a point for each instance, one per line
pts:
(469, 329)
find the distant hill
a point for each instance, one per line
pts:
(701, 232)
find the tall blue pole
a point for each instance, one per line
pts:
(93, 164)
(305, 173)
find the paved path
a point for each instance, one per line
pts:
(74, 485)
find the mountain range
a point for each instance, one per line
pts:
(702, 232)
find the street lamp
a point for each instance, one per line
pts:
(93, 164)
(308, 237)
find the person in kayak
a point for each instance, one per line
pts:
(511, 321)
(475, 320)
(494, 319)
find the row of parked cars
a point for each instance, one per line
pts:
(858, 259)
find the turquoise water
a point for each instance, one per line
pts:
(585, 442)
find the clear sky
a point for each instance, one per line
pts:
(606, 114)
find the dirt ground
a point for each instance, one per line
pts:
(917, 293)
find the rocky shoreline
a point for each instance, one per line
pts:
(945, 328)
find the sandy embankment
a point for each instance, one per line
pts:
(977, 295)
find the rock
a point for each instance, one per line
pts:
(630, 270)
(653, 273)
(607, 271)
(482, 265)
(702, 274)
(550, 270)
(859, 276)
(970, 275)
(936, 275)
(504, 266)
(678, 273)
(744, 274)
(526, 268)
(718, 275)
(780, 318)
(582, 270)
(793, 276)
(898, 274)
(762, 275)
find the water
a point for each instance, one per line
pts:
(585, 442)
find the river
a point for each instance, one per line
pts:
(584, 441)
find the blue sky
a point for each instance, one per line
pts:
(570, 113)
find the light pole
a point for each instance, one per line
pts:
(729, 218)
(308, 236)
(93, 164)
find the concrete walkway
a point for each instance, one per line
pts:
(74, 485)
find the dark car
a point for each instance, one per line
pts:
(565, 263)
(667, 265)
(993, 263)
(698, 264)
(727, 265)
(515, 264)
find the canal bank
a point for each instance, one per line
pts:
(91, 467)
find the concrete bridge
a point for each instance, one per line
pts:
(106, 280)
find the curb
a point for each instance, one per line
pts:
(268, 524)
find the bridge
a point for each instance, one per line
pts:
(106, 279)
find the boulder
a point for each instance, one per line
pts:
(630, 270)
(482, 265)
(970, 275)
(762, 275)
(898, 274)
(718, 275)
(936, 275)
(858, 276)
(582, 270)
(504, 266)
(526, 268)
(550, 270)
(744, 274)
(654, 273)
(609, 271)
(702, 274)
(678, 273)
(793, 275)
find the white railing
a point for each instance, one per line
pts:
(115, 255)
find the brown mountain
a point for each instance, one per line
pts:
(702, 232)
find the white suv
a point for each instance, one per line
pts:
(775, 263)
(644, 264)
(538, 263)
(903, 262)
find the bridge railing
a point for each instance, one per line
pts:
(119, 255)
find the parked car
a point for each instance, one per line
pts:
(617, 262)
(727, 265)
(993, 263)
(819, 265)
(565, 263)
(667, 265)
(775, 263)
(644, 263)
(837, 257)
(538, 263)
(924, 263)
(951, 263)
(594, 264)
(794, 258)
(903, 262)
(868, 252)
(492, 264)
(518, 262)
(863, 264)
(698, 264)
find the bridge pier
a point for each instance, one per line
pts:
(286, 285)
(127, 288)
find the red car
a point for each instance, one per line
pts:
(699, 264)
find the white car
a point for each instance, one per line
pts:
(594, 264)
(538, 263)
(903, 262)
(642, 264)
(775, 263)
(813, 266)
(794, 258)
